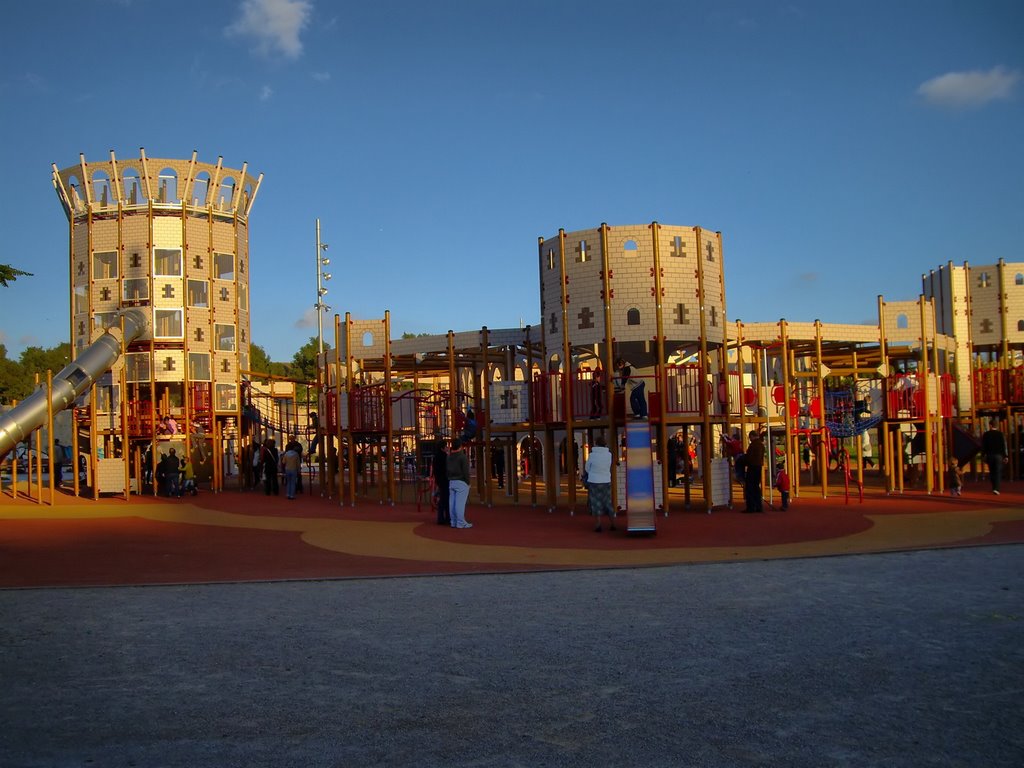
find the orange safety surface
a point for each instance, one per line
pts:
(236, 536)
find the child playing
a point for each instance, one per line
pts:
(955, 478)
(782, 483)
(189, 474)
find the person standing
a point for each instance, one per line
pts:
(955, 478)
(498, 463)
(291, 464)
(295, 445)
(58, 463)
(458, 485)
(188, 474)
(440, 470)
(673, 460)
(270, 460)
(782, 483)
(752, 473)
(171, 471)
(596, 392)
(993, 445)
(599, 483)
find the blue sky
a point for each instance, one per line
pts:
(843, 148)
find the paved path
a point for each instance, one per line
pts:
(913, 659)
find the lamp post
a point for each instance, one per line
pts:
(321, 277)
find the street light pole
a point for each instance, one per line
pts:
(321, 276)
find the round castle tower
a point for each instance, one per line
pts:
(170, 237)
(632, 285)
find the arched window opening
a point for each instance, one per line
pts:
(633, 316)
(200, 188)
(1019, 279)
(75, 193)
(167, 186)
(226, 195)
(133, 190)
(902, 321)
(631, 248)
(368, 339)
(101, 193)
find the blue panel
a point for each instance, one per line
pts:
(639, 476)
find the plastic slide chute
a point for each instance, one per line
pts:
(74, 380)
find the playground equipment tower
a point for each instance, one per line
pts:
(168, 239)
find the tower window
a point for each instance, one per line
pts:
(199, 366)
(631, 248)
(136, 289)
(633, 316)
(104, 265)
(167, 262)
(198, 293)
(224, 266)
(225, 337)
(167, 324)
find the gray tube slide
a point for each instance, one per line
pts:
(76, 378)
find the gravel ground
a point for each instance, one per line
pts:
(911, 659)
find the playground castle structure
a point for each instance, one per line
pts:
(907, 391)
(164, 244)
(159, 279)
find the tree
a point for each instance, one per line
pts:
(17, 378)
(9, 274)
(39, 360)
(10, 377)
(304, 361)
(258, 359)
(260, 362)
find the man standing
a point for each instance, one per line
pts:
(458, 485)
(993, 445)
(171, 469)
(295, 445)
(752, 476)
(291, 463)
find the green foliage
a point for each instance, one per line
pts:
(408, 335)
(304, 361)
(17, 378)
(9, 274)
(260, 361)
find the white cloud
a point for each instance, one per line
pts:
(266, 92)
(274, 25)
(966, 90)
(321, 77)
(308, 319)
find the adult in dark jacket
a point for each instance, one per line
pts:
(458, 485)
(752, 477)
(172, 467)
(993, 445)
(440, 471)
(271, 459)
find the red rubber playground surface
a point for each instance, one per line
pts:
(235, 536)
